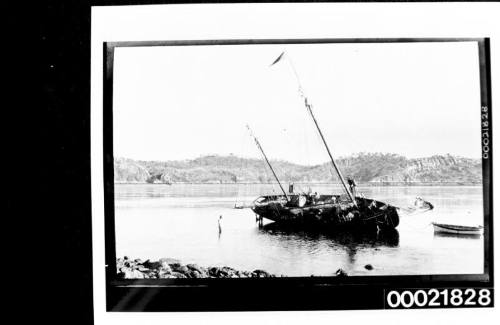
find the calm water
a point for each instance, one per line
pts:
(180, 221)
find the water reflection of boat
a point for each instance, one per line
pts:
(457, 229)
(344, 237)
(457, 236)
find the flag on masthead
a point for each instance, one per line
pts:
(279, 58)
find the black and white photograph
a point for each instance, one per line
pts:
(260, 163)
(279, 162)
(296, 160)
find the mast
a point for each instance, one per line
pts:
(309, 109)
(267, 161)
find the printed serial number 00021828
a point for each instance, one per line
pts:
(485, 132)
(428, 298)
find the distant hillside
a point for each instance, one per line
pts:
(372, 168)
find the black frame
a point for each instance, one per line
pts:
(294, 293)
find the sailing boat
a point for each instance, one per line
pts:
(331, 210)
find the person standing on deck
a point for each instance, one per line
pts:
(352, 185)
(316, 197)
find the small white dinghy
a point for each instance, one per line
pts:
(457, 229)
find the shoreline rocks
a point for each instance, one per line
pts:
(169, 268)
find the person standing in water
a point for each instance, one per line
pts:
(220, 224)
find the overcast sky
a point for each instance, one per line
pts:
(413, 99)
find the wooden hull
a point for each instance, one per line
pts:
(456, 229)
(328, 211)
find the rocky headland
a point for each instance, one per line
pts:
(367, 168)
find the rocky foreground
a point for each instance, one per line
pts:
(169, 268)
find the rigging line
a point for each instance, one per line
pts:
(351, 196)
(267, 161)
(301, 90)
(309, 108)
